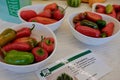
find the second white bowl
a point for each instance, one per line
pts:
(91, 40)
(39, 8)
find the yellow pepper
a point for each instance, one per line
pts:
(6, 36)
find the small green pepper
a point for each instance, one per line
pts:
(101, 23)
(73, 3)
(103, 35)
(6, 36)
(18, 57)
(109, 8)
(89, 24)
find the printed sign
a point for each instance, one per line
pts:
(82, 66)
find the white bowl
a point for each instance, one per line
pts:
(36, 33)
(91, 40)
(39, 8)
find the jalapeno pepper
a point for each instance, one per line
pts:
(6, 36)
(18, 57)
(89, 24)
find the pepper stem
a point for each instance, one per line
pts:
(32, 27)
(3, 52)
(103, 35)
(65, 8)
(42, 38)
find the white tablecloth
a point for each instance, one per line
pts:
(68, 44)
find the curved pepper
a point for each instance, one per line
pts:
(24, 32)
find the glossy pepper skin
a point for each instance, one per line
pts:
(17, 46)
(93, 16)
(39, 53)
(108, 29)
(42, 20)
(29, 40)
(6, 36)
(48, 44)
(24, 32)
(52, 6)
(19, 57)
(88, 31)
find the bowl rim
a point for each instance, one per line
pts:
(37, 63)
(72, 27)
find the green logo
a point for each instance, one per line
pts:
(13, 7)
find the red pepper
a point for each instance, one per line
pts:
(43, 20)
(100, 9)
(58, 14)
(52, 6)
(88, 31)
(93, 16)
(113, 14)
(29, 40)
(17, 46)
(47, 44)
(118, 16)
(39, 54)
(24, 32)
(27, 14)
(116, 7)
(46, 13)
(108, 29)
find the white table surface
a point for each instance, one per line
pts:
(67, 45)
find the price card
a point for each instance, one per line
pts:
(81, 66)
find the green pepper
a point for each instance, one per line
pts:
(18, 57)
(101, 23)
(6, 36)
(109, 8)
(73, 3)
(103, 35)
(89, 24)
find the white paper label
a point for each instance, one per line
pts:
(81, 66)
